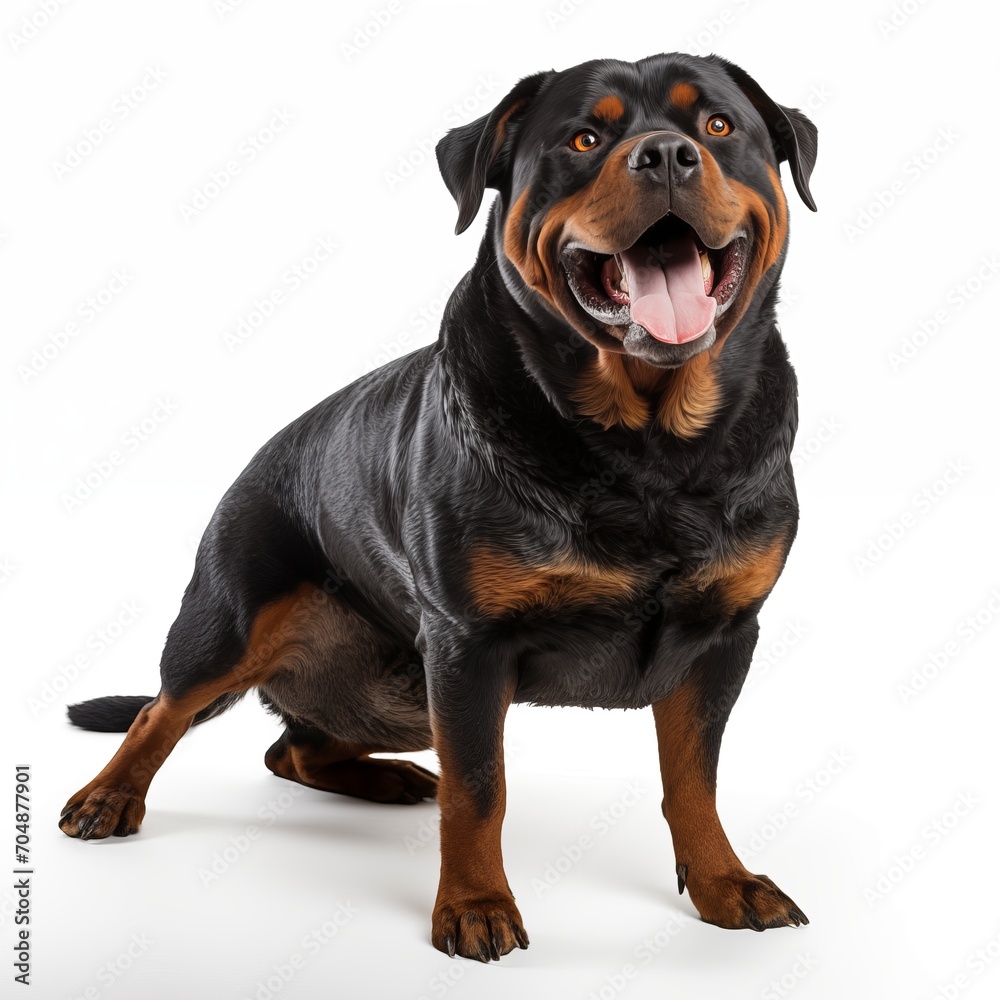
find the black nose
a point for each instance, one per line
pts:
(668, 156)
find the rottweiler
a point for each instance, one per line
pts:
(581, 494)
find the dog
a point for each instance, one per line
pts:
(580, 495)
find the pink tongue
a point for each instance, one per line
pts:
(667, 290)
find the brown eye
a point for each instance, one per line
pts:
(717, 125)
(584, 141)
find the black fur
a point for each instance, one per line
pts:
(113, 714)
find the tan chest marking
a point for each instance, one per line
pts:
(743, 577)
(501, 584)
(617, 389)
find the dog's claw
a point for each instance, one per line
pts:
(102, 812)
(483, 930)
(682, 874)
(86, 826)
(739, 898)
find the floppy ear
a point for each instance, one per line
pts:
(474, 157)
(793, 134)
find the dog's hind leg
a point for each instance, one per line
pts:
(212, 656)
(358, 692)
(312, 758)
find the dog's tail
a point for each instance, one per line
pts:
(117, 712)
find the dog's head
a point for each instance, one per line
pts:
(641, 201)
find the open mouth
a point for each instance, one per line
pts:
(668, 282)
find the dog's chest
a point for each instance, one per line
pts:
(615, 635)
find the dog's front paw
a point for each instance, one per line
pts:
(740, 899)
(478, 928)
(100, 812)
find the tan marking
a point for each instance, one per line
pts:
(276, 634)
(500, 132)
(683, 95)
(474, 896)
(690, 403)
(624, 391)
(767, 225)
(609, 108)
(514, 246)
(780, 216)
(689, 807)
(688, 788)
(721, 888)
(603, 215)
(304, 763)
(607, 394)
(586, 214)
(349, 769)
(743, 577)
(501, 584)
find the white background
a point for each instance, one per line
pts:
(838, 778)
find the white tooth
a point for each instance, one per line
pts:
(706, 265)
(623, 284)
